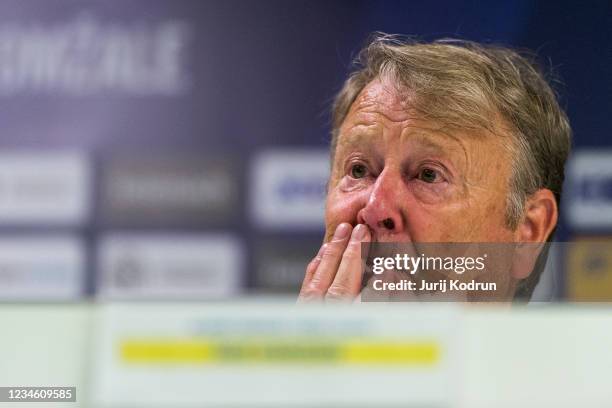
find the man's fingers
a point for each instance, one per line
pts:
(347, 282)
(328, 265)
(312, 266)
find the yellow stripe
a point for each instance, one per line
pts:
(180, 351)
(426, 353)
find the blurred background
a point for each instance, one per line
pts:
(178, 149)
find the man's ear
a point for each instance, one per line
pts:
(538, 222)
(539, 218)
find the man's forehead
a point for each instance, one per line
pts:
(384, 97)
(383, 103)
(416, 134)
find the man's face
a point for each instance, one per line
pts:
(409, 180)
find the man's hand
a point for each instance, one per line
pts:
(336, 272)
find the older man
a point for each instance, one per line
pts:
(449, 141)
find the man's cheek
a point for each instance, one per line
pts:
(341, 207)
(470, 226)
(487, 222)
(452, 223)
(435, 229)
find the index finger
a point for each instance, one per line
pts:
(325, 271)
(347, 282)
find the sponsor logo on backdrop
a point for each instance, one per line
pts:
(165, 266)
(44, 188)
(589, 269)
(86, 55)
(280, 263)
(589, 198)
(172, 190)
(288, 188)
(41, 268)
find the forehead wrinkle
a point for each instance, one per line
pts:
(357, 132)
(375, 111)
(355, 139)
(380, 100)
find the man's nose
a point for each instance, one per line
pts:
(382, 212)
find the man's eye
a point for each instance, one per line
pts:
(359, 171)
(429, 176)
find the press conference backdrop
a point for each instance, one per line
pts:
(178, 149)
